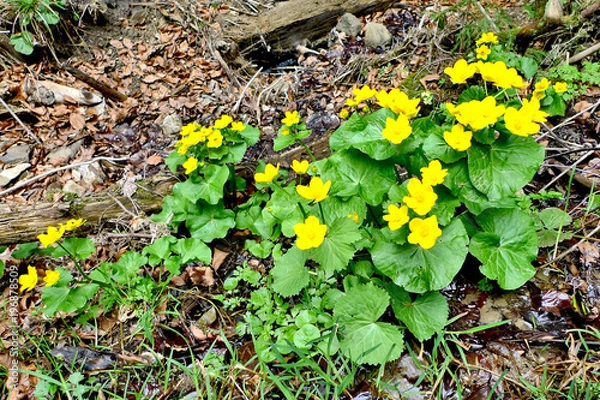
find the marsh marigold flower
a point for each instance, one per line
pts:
(360, 95)
(458, 138)
(73, 224)
(433, 174)
(397, 217)
(268, 175)
(421, 197)
(190, 165)
(238, 126)
(424, 232)
(560, 87)
(397, 130)
(399, 102)
(482, 52)
(488, 37)
(186, 130)
(310, 234)
(500, 75)
(344, 113)
(479, 114)
(51, 277)
(525, 121)
(29, 280)
(316, 190)
(291, 118)
(540, 88)
(300, 167)
(223, 122)
(461, 71)
(52, 235)
(214, 140)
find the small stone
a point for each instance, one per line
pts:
(349, 24)
(18, 153)
(10, 174)
(377, 35)
(74, 188)
(172, 124)
(64, 154)
(89, 174)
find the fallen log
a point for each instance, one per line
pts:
(291, 23)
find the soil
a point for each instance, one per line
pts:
(170, 58)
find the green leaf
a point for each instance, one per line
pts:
(557, 107)
(208, 188)
(555, 218)
(353, 173)
(365, 134)
(336, 207)
(174, 160)
(418, 270)
(193, 249)
(24, 250)
(472, 93)
(528, 66)
(436, 147)
(259, 249)
(159, 250)
(80, 248)
(281, 142)
(424, 316)
(506, 246)
(213, 222)
(304, 336)
(505, 166)
(22, 42)
(127, 267)
(173, 264)
(2, 268)
(251, 135)
(289, 274)
(337, 250)
(364, 340)
(64, 298)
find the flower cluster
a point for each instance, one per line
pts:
(399, 129)
(361, 95)
(497, 73)
(421, 199)
(54, 234)
(29, 280)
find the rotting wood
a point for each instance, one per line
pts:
(22, 223)
(292, 23)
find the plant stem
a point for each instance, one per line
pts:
(322, 214)
(307, 149)
(374, 216)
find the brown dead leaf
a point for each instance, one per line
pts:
(429, 78)
(218, 258)
(77, 121)
(589, 253)
(152, 78)
(581, 105)
(198, 333)
(201, 276)
(116, 44)
(154, 159)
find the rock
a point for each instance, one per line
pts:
(349, 24)
(172, 124)
(72, 187)
(16, 154)
(64, 154)
(377, 35)
(90, 174)
(10, 174)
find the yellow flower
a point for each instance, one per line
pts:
(29, 280)
(270, 173)
(316, 190)
(300, 167)
(488, 37)
(560, 87)
(190, 165)
(397, 130)
(344, 113)
(482, 52)
(72, 224)
(51, 277)
(215, 139)
(189, 128)
(291, 118)
(424, 232)
(458, 138)
(452, 109)
(354, 216)
(182, 148)
(540, 88)
(285, 131)
(363, 94)
(310, 234)
(461, 71)
(52, 236)
(421, 198)
(223, 122)
(531, 108)
(525, 121)
(500, 75)
(479, 114)
(433, 174)
(396, 217)
(238, 126)
(398, 102)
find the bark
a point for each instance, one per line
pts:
(293, 22)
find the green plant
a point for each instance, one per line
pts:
(28, 14)
(461, 198)
(577, 79)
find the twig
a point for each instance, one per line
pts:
(572, 248)
(486, 16)
(237, 103)
(557, 177)
(582, 54)
(16, 117)
(55, 170)
(567, 120)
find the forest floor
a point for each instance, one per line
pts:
(165, 62)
